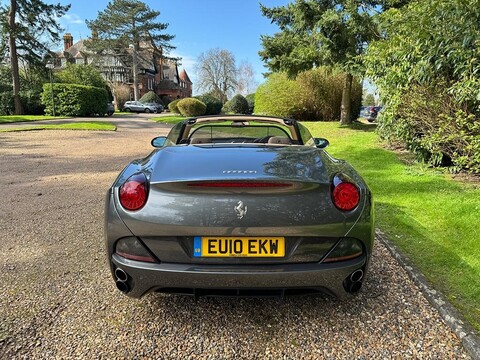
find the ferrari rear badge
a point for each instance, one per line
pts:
(240, 209)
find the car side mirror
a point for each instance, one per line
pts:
(321, 143)
(159, 141)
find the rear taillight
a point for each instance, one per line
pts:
(133, 193)
(345, 195)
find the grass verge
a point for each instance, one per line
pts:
(24, 118)
(91, 125)
(430, 217)
(171, 119)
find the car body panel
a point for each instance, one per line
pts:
(264, 279)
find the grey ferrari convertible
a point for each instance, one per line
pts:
(239, 205)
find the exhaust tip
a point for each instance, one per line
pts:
(355, 287)
(122, 286)
(353, 283)
(356, 276)
(121, 275)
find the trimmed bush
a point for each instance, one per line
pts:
(214, 105)
(238, 105)
(151, 97)
(173, 106)
(74, 100)
(191, 107)
(226, 108)
(251, 102)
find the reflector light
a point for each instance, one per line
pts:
(342, 258)
(346, 249)
(131, 248)
(346, 196)
(136, 257)
(239, 184)
(133, 193)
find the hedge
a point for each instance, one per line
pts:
(314, 95)
(74, 100)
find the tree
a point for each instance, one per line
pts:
(128, 24)
(217, 73)
(321, 32)
(28, 25)
(82, 75)
(246, 78)
(369, 100)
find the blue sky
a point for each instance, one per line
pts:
(199, 25)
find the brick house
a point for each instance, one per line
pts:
(155, 73)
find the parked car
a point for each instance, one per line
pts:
(110, 109)
(137, 106)
(239, 205)
(373, 113)
(158, 107)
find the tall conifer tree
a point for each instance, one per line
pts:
(322, 32)
(126, 24)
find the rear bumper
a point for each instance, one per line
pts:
(143, 278)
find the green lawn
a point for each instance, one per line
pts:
(91, 125)
(21, 118)
(170, 119)
(430, 217)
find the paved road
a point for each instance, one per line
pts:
(57, 299)
(123, 122)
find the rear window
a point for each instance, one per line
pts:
(237, 133)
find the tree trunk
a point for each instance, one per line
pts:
(135, 71)
(346, 111)
(136, 47)
(14, 57)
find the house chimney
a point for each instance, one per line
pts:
(67, 41)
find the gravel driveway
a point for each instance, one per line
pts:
(57, 299)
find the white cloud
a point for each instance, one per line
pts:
(72, 19)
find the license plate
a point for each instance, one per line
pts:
(209, 246)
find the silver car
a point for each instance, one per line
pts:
(239, 205)
(137, 106)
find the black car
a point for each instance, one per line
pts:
(110, 109)
(373, 113)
